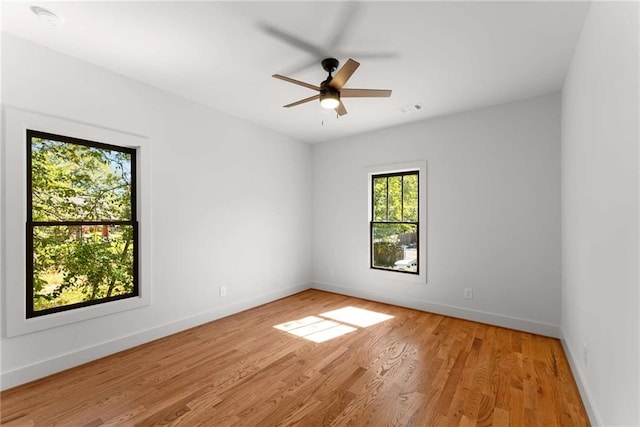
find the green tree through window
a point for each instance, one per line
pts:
(81, 223)
(394, 224)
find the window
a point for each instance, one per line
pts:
(394, 233)
(82, 233)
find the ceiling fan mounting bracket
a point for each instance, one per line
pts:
(330, 64)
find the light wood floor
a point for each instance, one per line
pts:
(415, 369)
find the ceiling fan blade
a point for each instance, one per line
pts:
(344, 74)
(368, 55)
(297, 82)
(301, 66)
(316, 51)
(340, 109)
(344, 24)
(302, 101)
(365, 93)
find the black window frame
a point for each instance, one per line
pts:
(30, 224)
(372, 222)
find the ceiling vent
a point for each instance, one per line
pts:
(410, 108)
(47, 16)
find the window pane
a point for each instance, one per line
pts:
(81, 263)
(78, 182)
(410, 197)
(395, 246)
(395, 198)
(380, 199)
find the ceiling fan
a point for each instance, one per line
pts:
(332, 90)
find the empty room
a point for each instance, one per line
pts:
(298, 213)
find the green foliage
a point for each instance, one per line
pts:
(410, 197)
(77, 182)
(386, 254)
(390, 232)
(78, 263)
(395, 198)
(380, 199)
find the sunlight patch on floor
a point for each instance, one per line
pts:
(326, 334)
(356, 316)
(315, 329)
(295, 324)
(343, 321)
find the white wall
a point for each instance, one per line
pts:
(600, 215)
(230, 202)
(493, 214)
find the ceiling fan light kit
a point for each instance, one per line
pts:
(330, 100)
(332, 89)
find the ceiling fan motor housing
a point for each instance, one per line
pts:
(326, 89)
(329, 96)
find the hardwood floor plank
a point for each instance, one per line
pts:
(414, 369)
(516, 408)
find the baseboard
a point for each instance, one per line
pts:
(446, 310)
(60, 363)
(585, 393)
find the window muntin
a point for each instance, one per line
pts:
(82, 233)
(394, 225)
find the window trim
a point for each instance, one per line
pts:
(31, 224)
(12, 225)
(373, 222)
(377, 274)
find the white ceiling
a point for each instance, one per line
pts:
(446, 56)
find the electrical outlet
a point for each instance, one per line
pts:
(468, 293)
(585, 354)
(332, 272)
(223, 291)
